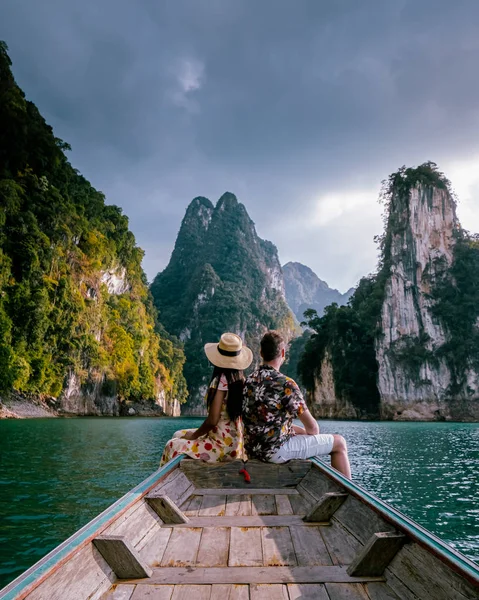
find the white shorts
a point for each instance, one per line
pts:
(304, 446)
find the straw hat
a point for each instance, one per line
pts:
(229, 353)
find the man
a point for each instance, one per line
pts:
(271, 402)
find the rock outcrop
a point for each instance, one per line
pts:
(304, 290)
(221, 277)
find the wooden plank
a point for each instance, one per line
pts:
(249, 574)
(263, 475)
(318, 484)
(166, 509)
(341, 545)
(309, 546)
(153, 592)
(278, 550)
(122, 557)
(238, 505)
(251, 491)
(253, 521)
(86, 573)
(346, 591)
(213, 506)
(299, 505)
(263, 504)
(120, 592)
(283, 505)
(153, 548)
(307, 591)
(229, 592)
(135, 524)
(360, 520)
(380, 591)
(176, 486)
(269, 591)
(191, 592)
(245, 548)
(427, 577)
(214, 546)
(375, 556)
(194, 506)
(326, 506)
(182, 547)
(309, 500)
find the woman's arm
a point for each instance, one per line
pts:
(212, 419)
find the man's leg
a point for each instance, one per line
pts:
(339, 456)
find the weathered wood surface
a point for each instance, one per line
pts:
(136, 523)
(342, 546)
(229, 592)
(307, 591)
(250, 574)
(245, 521)
(182, 548)
(299, 505)
(120, 592)
(278, 550)
(153, 592)
(309, 547)
(245, 548)
(377, 553)
(283, 505)
(176, 486)
(326, 506)
(122, 557)
(153, 547)
(346, 591)
(380, 591)
(87, 573)
(191, 592)
(214, 547)
(213, 506)
(426, 577)
(268, 592)
(360, 520)
(226, 475)
(237, 505)
(251, 491)
(317, 483)
(263, 504)
(166, 509)
(193, 505)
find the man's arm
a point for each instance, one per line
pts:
(310, 425)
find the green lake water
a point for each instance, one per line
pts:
(57, 474)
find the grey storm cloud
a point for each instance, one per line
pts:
(300, 108)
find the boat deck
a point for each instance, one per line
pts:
(252, 545)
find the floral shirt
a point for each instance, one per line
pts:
(271, 402)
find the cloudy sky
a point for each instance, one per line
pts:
(299, 107)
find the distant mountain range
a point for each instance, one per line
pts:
(304, 290)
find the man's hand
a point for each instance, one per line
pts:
(299, 430)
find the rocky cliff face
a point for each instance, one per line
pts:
(423, 227)
(221, 277)
(407, 347)
(304, 290)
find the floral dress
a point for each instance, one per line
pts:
(223, 442)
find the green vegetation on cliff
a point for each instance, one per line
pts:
(73, 296)
(221, 277)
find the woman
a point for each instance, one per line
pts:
(220, 437)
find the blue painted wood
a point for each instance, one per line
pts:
(435, 545)
(69, 546)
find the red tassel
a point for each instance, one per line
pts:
(246, 475)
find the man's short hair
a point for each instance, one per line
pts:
(271, 345)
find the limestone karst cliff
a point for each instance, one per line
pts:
(77, 325)
(408, 346)
(221, 277)
(304, 290)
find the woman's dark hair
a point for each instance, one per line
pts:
(234, 399)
